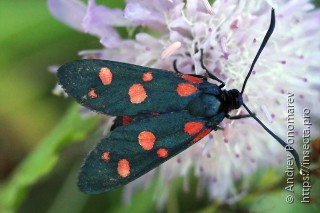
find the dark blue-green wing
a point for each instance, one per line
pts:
(118, 88)
(132, 150)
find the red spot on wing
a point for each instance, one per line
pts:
(146, 140)
(193, 127)
(105, 156)
(124, 168)
(185, 89)
(105, 75)
(192, 79)
(162, 153)
(137, 94)
(126, 120)
(147, 76)
(201, 135)
(93, 93)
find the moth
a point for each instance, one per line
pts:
(159, 114)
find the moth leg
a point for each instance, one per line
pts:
(236, 117)
(208, 73)
(175, 67)
(219, 128)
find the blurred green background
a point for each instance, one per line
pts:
(39, 159)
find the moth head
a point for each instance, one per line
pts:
(234, 99)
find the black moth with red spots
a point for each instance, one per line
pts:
(160, 114)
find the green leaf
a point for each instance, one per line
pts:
(73, 127)
(276, 202)
(141, 202)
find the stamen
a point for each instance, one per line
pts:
(273, 3)
(226, 131)
(170, 50)
(208, 145)
(223, 44)
(208, 7)
(266, 113)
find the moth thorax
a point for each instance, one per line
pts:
(233, 99)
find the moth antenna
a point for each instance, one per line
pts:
(284, 144)
(263, 44)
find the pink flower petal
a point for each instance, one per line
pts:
(117, 42)
(176, 11)
(196, 6)
(99, 20)
(147, 39)
(181, 26)
(163, 6)
(70, 12)
(142, 15)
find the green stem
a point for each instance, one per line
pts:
(73, 127)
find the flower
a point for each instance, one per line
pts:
(230, 33)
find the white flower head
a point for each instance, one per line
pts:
(230, 33)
